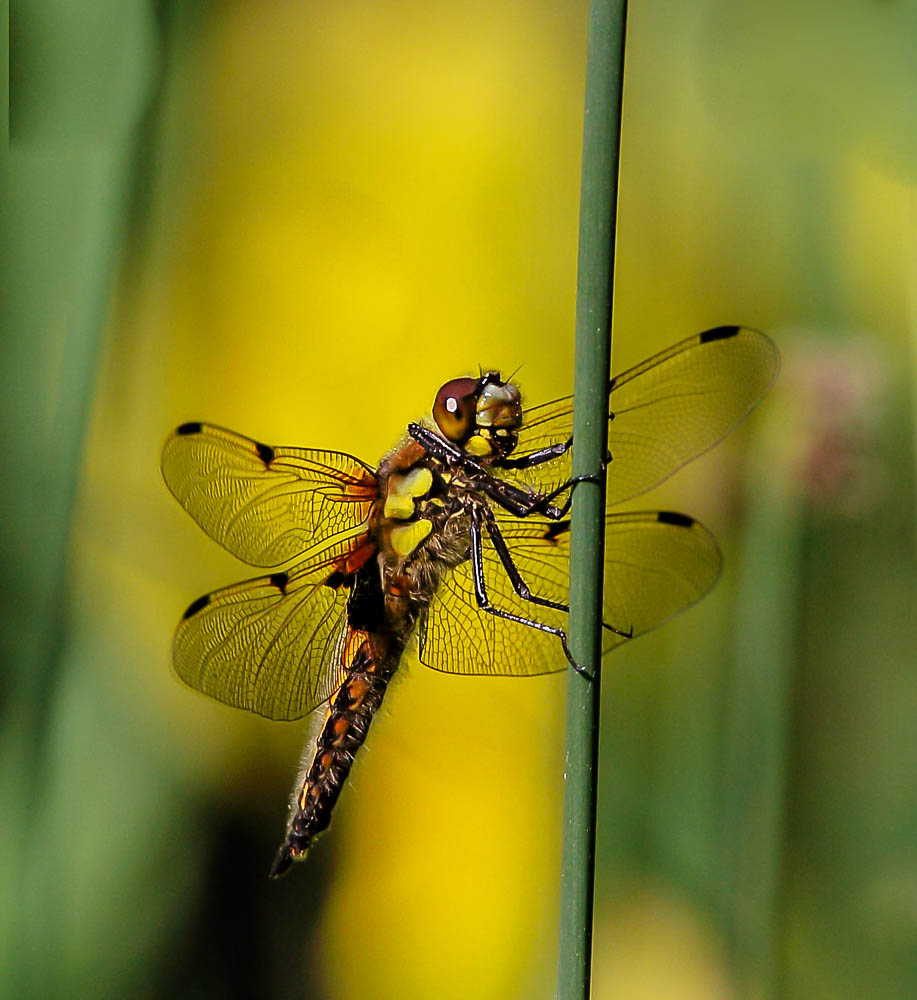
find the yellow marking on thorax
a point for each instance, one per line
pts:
(405, 538)
(404, 490)
(478, 446)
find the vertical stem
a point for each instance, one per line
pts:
(754, 779)
(598, 199)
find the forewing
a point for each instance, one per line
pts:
(663, 412)
(657, 564)
(270, 645)
(265, 505)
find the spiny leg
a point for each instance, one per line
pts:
(533, 458)
(512, 570)
(519, 585)
(519, 502)
(480, 593)
(541, 504)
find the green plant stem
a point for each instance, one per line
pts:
(758, 717)
(598, 199)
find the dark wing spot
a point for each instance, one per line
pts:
(673, 517)
(280, 581)
(338, 579)
(718, 333)
(196, 606)
(556, 528)
(265, 452)
(192, 427)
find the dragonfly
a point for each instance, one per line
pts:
(458, 541)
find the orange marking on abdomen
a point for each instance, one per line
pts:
(356, 691)
(347, 719)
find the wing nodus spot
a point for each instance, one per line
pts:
(265, 452)
(673, 517)
(192, 427)
(719, 333)
(196, 606)
(555, 529)
(280, 581)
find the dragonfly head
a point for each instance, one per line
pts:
(482, 415)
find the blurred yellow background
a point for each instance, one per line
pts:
(298, 220)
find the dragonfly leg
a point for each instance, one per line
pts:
(536, 457)
(512, 571)
(521, 587)
(480, 593)
(523, 504)
(545, 454)
(509, 497)
(542, 503)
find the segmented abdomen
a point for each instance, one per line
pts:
(370, 660)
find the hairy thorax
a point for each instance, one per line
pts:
(421, 527)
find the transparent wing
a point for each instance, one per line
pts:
(459, 638)
(657, 563)
(265, 505)
(271, 645)
(663, 412)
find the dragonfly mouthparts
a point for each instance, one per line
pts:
(498, 406)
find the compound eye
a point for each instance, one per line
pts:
(454, 408)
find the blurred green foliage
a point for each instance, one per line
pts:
(298, 220)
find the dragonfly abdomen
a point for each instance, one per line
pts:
(370, 661)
